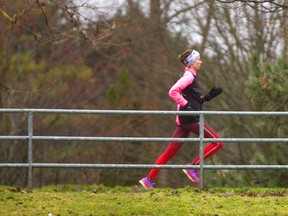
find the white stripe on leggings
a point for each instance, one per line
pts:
(213, 137)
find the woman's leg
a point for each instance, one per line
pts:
(210, 149)
(170, 151)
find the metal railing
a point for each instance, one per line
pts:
(30, 137)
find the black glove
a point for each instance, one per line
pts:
(212, 93)
(188, 107)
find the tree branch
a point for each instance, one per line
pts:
(44, 14)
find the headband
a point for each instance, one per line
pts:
(191, 58)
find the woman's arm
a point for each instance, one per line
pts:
(176, 89)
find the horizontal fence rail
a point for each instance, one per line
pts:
(144, 112)
(30, 138)
(141, 139)
(140, 166)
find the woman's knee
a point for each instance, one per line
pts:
(220, 145)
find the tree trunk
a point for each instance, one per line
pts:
(156, 21)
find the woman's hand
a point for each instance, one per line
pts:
(212, 93)
(188, 107)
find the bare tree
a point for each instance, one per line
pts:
(71, 22)
(268, 6)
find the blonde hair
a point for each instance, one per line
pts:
(184, 55)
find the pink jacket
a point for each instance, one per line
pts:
(176, 90)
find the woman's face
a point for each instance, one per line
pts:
(197, 64)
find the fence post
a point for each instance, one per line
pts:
(201, 150)
(30, 150)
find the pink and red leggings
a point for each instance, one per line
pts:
(182, 131)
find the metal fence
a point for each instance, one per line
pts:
(30, 137)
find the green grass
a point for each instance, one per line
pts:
(101, 200)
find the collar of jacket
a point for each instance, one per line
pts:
(194, 73)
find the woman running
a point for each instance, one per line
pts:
(186, 93)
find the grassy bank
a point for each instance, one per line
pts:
(100, 200)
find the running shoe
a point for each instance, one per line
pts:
(146, 183)
(192, 175)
